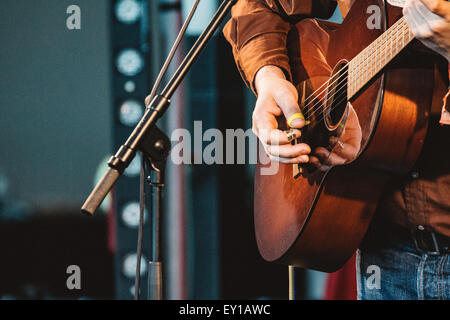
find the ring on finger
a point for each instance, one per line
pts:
(290, 134)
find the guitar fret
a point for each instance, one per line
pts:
(357, 72)
(353, 78)
(376, 58)
(390, 44)
(350, 80)
(364, 66)
(403, 40)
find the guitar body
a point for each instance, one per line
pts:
(317, 218)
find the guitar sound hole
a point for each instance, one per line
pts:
(336, 98)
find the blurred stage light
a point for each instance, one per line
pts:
(129, 265)
(129, 86)
(130, 112)
(132, 66)
(129, 62)
(128, 11)
(130, 214)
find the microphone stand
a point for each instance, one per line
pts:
(153, 143)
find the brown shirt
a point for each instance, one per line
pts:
(257, 33)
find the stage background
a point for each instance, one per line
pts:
(57, 126)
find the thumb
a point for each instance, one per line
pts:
(291, 110)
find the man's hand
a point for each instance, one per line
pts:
(277, 96)
(429, 21)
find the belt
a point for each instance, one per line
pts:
(430, 242)
(425, 240)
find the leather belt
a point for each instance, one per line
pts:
(424, 240)
(430, 242)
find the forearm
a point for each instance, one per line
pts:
(268, 71)
(258, 31)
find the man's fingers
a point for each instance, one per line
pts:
(439, 7)
(299, 159)
(431, 28)
(275, 136)
(289, 151)
(292, 112)
(328, 158)
(265, 127)
(430, 22)
(286, 99)
(418, 25)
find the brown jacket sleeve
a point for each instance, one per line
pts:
(258, 29)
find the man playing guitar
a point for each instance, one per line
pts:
(409, 238)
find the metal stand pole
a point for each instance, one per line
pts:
(291, 283)
(155, 279)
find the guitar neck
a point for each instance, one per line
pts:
(363, 67)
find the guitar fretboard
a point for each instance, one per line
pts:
(363, 67)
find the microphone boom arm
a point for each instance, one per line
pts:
(155, 110)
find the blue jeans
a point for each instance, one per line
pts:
(396, 270)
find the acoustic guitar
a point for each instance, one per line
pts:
(367, 93)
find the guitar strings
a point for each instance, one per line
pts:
(392, 56)
(341, 75)
(360, 61)
(340, 101)
(399, 26)
(394, 28)
(319, 103)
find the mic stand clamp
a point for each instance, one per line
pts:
(155, 147)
